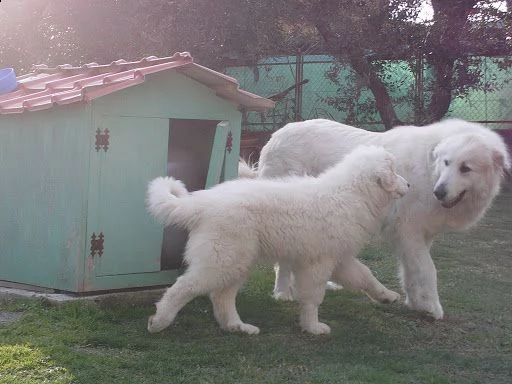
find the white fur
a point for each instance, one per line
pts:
(431, 158)
(246, 170)
(311, 224)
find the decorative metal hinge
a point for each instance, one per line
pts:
(229, 142)
(97, 244)
(102, 139)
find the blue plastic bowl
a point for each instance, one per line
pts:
(7, 80)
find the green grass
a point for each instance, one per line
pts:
(86, 342)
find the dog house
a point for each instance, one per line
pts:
(78, 146)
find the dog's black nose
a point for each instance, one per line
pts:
(440, 192)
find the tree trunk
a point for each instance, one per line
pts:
(360, 63)
(445, 45)
(383, 101)
(442, 93)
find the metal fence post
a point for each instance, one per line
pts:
(299, 69)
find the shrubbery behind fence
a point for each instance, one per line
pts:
(318, 86)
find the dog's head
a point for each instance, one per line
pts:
(381, 164)
(465, 165)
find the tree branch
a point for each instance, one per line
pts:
(359, 61)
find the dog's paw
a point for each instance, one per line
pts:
(432, 309)
(242, 327)
(249, 329)
(385, 296)
(317, 328)
(389, 297)
(332, 286)
(283, 295)
(157, 324)
(437, 314)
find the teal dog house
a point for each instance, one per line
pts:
(78, 146)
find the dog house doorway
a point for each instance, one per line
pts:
(188, 159)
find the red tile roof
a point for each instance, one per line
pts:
(65, 84)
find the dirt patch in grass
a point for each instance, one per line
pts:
(7, 318)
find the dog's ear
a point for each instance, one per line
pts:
(501, 162)
(433, 154)
(498, 160)
(387, 180)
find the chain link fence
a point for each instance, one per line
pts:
(319, 86)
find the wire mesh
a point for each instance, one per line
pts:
(319, 86)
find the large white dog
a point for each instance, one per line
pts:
(454, 167)
(311, 224)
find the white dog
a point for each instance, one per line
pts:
(455, 169)
(311, 224)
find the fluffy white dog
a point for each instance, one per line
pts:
(311, 224)
(455, 169)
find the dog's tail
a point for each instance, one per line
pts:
(246, 170)
(165, 202)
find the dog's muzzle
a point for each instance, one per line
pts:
(440, 193)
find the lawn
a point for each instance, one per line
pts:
(107, 342)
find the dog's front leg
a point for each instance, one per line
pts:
(419, 276)
(310, 284)
(309, 320)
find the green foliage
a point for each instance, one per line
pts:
(23, 364)
(79, 31)
(358, 32)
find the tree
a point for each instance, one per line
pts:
(18, 35)
(446, 47)
(381, 32)
(362, 27)
(360, 33)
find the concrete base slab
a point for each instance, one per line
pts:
(139, 297)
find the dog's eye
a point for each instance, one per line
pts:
(464, 169)
(446, 162)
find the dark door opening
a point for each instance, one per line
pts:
(189, 151)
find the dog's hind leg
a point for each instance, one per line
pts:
(187, 287)
(224, 309)
(354, 275)
(284, 283)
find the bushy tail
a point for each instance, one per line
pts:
(164, 201)
(246, 170)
